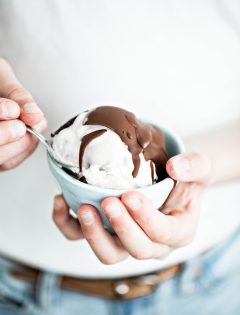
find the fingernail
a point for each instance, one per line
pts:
(181, 166)
(87, 218)
(10, 110)
(113, 210)
(134, 203)
(31, 108)
(17, 130)
(41, 126)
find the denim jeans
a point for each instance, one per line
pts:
(208, 285)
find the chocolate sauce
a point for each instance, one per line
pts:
(71, 173)
(152, 170)
(139, 137)
(75, 175)
(85, 141)
(83, 180)
(66, 125)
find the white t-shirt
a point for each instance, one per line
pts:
(178, 62)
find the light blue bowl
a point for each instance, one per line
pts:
(77, 193)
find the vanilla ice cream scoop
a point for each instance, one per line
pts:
(109, 147)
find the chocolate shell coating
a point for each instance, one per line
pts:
(139, 137)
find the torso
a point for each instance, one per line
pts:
(176, 63)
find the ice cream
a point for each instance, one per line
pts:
(109, 147)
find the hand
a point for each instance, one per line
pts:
(141, 230)
(17, 108)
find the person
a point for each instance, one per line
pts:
(145, 57)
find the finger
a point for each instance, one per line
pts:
(11, 131)
(185, 196)
(189, 167)
(102, 243)
(33, 116)
(161, 251)
(13, 153)
(18, 159)
(8, 109)
(68, 225)
(11, 88)
(172, 230)
(133, 238)
(14, 149)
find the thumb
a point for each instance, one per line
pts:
(190, 167)
(30, 113)
(11, 88)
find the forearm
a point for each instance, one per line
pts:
(222, 145)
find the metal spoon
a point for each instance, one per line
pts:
(49, 147)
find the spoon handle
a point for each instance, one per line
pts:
(48, 146)
(39, 136)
